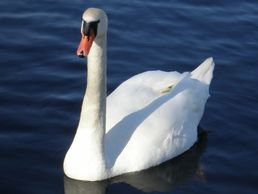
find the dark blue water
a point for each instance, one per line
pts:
(42, 83)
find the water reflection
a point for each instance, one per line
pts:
(161, 178)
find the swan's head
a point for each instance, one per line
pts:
(94, 26)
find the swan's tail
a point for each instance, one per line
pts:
(204, 72)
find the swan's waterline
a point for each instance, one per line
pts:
(162, 178)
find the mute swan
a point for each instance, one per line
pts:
(149, 119)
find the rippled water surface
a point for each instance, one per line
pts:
(42, 83)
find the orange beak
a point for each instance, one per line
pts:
(85, 44)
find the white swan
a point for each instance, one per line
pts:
(150, 118)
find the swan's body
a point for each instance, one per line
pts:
(150, 118)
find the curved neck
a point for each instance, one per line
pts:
(91, 129)
(93, 111)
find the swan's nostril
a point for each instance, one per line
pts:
(81, 55)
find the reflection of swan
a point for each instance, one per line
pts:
(162, 178)
(150, 118)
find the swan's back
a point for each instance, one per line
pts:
(137, 92)
(153, 117)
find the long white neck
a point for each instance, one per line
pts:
(88, 145)
(93, 113)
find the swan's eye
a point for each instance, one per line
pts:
(87, 27)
